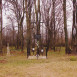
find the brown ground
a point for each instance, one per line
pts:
(3, 61)
(54, 66)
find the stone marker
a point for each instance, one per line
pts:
(35, 57)
(8, 50)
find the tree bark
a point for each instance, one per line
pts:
(54, 23)
(1, 26)
(28, 20)
(65, 26)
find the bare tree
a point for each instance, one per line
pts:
(18, 12)
(0, 26)
(28, 5)
(65, 27)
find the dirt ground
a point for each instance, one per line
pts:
(54, 66)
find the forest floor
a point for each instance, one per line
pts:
(57, 65)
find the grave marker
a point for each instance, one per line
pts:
(8, 50)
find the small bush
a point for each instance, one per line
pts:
(73, 58)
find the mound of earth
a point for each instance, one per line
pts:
(3, 61)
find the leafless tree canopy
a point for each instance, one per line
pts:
(47, 19)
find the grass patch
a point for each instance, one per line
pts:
(57, 53)
(73, 58)
(57, 65)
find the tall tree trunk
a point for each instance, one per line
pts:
(65, 26)
(28, 21)
(18, 36)
(73, 27)
(13, 35)
(22, 39)
(21, 34)
(1, 26)
(38, 27)
(54, 23)
(76, 25)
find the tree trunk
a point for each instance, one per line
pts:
(28, 20)
(1, 26)
(65, 26)
(73, 27)
(22, 39)
(54, 23)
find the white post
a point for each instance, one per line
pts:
(8, 50)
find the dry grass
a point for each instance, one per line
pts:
(57, 65)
